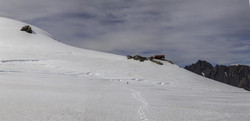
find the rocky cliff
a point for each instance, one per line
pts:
(236, 75)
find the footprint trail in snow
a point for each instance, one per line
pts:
(144, 104)
(142, 109)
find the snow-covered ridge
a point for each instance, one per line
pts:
(43, 79)
(16, 43)
(13, 25)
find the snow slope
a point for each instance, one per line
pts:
(42, 79)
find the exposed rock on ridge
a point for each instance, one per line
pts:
(27, 28)
(236, 75)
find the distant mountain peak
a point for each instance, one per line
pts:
(235, 75)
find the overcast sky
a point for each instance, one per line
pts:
(184, 30)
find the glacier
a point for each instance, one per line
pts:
(42, 79)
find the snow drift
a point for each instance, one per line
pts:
(44, 80)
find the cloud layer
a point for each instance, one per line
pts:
(185, 30)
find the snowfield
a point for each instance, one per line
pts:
(42, 79)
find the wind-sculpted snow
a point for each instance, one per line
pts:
(8, 61)
(42, 79)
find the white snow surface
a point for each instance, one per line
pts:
(42, 79)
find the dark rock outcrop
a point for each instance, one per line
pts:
(129, 57)
(236, 75)
(200, 67)
(140, 58)
(27, 28)
(155, 59)
(157, 62)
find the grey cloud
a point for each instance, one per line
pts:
(214, 30)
